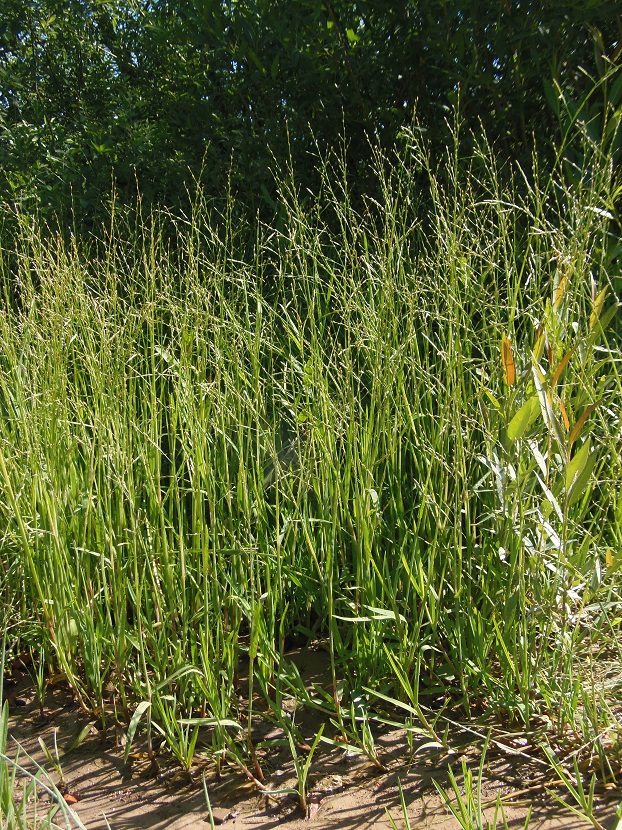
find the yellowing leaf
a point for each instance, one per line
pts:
(560, 291)
(538, 342)
(598, 307)
(507, 360)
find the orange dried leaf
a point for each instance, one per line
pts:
(562, 409)
(507, 360)
(560, 367)
(576, 430)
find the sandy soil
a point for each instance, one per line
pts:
(346, 789)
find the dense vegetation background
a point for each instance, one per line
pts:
(149, 94)
(385, 419)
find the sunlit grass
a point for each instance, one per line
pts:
(209, 447)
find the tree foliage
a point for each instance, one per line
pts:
(155, 93)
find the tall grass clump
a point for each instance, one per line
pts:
(391, 430)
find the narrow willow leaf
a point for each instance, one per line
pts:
(562, 409)
(577, 464)
(576, 430)
(551, 498)
(507, 360)
(555, 540)
(560, 367)
(579, 485)
(492, 398)
(523, 419)
(538, 342)
(540, 383)
(540, 460)
(546, 404)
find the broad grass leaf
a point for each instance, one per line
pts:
(383, 613)
(231, 724)
(430, 745)
(138, 713)
(182, 672)
(84, 733)
(524, 418)
(355, 750)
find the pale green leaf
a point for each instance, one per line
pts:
(523, 419)
(579, 484)
(577, 464)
